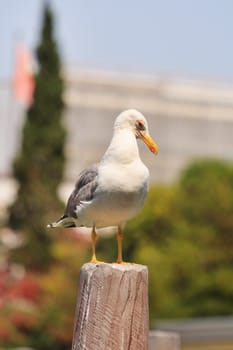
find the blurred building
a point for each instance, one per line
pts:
(188, 119)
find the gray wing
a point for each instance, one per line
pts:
(84, 190)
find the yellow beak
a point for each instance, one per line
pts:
(151, 144)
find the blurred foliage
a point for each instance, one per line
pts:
(39, 166)
(38, 309)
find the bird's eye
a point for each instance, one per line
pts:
(140, 125)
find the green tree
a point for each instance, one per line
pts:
(206, 204)
(39, 166)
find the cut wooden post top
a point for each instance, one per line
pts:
(121, 267)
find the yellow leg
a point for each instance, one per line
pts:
(93, 242)
(119, 245)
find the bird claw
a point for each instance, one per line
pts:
(122, 262)
(95, 261)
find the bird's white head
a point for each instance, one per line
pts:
(135, 121)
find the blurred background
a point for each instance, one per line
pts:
(67, 69)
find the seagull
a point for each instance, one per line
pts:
(113, 191)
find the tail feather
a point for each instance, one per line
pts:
(64, 221)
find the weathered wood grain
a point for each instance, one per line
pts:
(112, 308)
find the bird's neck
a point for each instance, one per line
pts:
(123, 147)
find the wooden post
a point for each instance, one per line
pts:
(112, 308)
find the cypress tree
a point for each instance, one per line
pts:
(39, 166)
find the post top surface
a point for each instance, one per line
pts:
(120, 267)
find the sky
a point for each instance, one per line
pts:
(185, 38)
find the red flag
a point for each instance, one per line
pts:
(23, 78)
